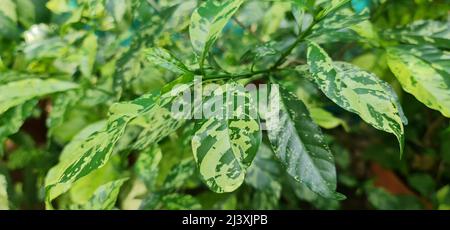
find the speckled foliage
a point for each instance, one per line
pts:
(314, 103)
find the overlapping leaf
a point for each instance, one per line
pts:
(207, 23)
(225, 145)
(60, 106)
(18, 92)
(93, 153)
(180, 202)
(8, 19)
(422, 32)
(179, 174)
(105, 196)
(176, 177)
(358, 91)
(423, 72)
(160, 121)
(299, 144)
(162, 57)
(332, 7)
(146, 166)
(337, 22)
(264, 173)
(13, 119)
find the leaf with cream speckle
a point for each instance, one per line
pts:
(224, 146)
(423, 72)
(358, 91)
(207, 23)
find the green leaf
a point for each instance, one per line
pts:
(93, 153)
(60, 106)
(175, 179)
(88, 54)
(105, 196)
(383, 200)
(59, 6)
(443, 198)
(264, 200)
(117, 8)
(326, 119)
(9, 9)
(224, 146)
(422, 32)
(8, 19)
(2, 66)
(26, 11)
(180, 202)
(299, 144)
(159, 122)
(264, 173)
(146, 166)
(207, 22)
(163, 58)
(424, 72)
(179, 174)
(13, 119)
(84, 188)
(305, 194)
(260, 51)
(332, 7)
(306, 90)
(273, 17)
(335, 23)
(4, 202)
(18, 92)
(423, 183)
(358, 91)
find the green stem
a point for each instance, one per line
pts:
(242, 75)
(274, 68)
(289, 50)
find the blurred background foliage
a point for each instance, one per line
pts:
(99, 44)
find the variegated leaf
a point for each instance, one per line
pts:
(358, 91)
(180, 202)
(179, 174)
(422, 32)
(264, 173)
(18, 92)
(299, 144)
(306, 90)
(84, 188)
(146, 166)
(224, 145)
(425, 73)
(13, 119)
(4, 201)
(160, 121)
(60, 106)
(152, 201)
(207, 23)
(163, 58)
(337, 22)
(93, 152)
(105, 196)
(332, 7)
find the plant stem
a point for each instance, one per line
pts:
(274, 68)
(241, 75)
(289, 50)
